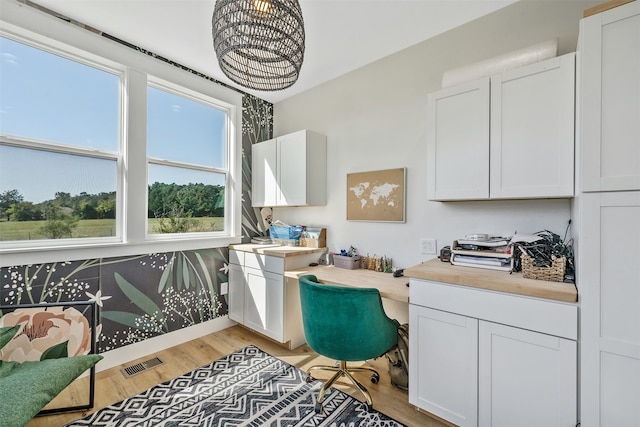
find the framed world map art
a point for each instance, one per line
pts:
(376, 195)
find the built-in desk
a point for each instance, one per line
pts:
(393, 288)
(492, 348)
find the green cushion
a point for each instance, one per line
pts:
(26, 388)
(7, 333)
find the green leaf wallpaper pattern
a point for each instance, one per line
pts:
(159, 294)
(257, 126)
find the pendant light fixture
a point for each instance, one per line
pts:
(259, 43)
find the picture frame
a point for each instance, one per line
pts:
(378, 196)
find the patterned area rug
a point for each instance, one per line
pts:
(245, 388)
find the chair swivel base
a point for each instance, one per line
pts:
(341, 370)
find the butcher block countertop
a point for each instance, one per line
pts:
(394, 288)
(501, 281)
(277, 250)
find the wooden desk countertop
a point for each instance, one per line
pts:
(502, 281)
(276, 250)
(394, 288)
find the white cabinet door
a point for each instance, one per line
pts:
(532, 130)
(302, 169)
(264, 184)
(610, 92)
(458, 142)
(264, 303)
(290, 170)
(444, 368)
(609, 284)
(525, 378)
(235, 300)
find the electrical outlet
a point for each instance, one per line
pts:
(428, 246)
(224, 288)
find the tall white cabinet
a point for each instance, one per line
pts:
(608, 211)
(610, 99)
(290, 170)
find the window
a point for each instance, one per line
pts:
(60, 145)
(107, 151)
(187, 163)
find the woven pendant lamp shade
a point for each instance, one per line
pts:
(259, 43)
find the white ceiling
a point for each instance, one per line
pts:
(341, 35)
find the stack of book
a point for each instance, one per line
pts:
(493, 253)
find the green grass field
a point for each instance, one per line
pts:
(28, 230)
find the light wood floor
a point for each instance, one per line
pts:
(112, 386)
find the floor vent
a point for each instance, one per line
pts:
(139, 368)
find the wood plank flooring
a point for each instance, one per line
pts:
(112, 386)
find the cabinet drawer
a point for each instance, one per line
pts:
(264, 262)
(546, 316)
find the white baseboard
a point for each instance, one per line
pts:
(131, 352)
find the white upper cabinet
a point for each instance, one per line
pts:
(532, 130)
(458, 148)
(264, 173)
(610, 87)
(290, 170)
(507, 137)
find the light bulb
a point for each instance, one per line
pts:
(263, 6)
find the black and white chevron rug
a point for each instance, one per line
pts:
(245, 388)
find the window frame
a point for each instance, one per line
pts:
(173, 89)
(31, 26)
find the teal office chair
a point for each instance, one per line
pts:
(346, 324)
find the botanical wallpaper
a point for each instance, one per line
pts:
(143, 296)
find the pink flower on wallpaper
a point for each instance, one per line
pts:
(45, 328)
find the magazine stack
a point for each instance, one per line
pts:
(483, 251)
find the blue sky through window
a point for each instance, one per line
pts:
(50, 98)
(47, 97)
(184, 130)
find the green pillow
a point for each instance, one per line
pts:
(26, 388)
(6, 333)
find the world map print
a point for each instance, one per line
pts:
(376, 196)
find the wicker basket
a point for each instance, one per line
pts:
(555, 273)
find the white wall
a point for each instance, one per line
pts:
(375, 118)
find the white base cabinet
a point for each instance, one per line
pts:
(526, 378)
(261, 299)
(471, 366)
(264, 303)
(443, 350)
(609, 278)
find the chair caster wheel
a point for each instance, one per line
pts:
(375, 378)
(318, 408)
(308, 378)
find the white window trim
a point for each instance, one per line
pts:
(24, 22)
(198, 97)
